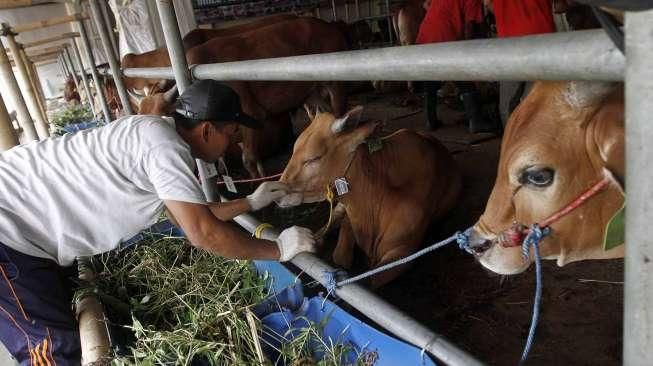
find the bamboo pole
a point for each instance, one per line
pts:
(32, 80)
(30, 97)
(93, 332)
(8, 138)
(26, 27)
(22, 113)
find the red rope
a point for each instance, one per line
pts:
(575, 203)
(255, 179)
(514, 236)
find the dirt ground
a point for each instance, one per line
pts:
(486, 314)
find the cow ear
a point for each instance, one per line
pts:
(347, 122)
(609, 133)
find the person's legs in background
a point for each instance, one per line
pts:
(471, 99)
(431, 103)
(37, 325)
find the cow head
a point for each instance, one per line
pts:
(322, 153)
(563, 138)
(158, 104)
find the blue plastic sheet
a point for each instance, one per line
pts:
(287, 311)
(74, 127)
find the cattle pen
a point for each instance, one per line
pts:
(579, 55)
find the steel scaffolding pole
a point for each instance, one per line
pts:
(107, 23)
(182, 78)
(87, 89)
(580, 55)
(113, 64)
(638, 285)
(86, 44)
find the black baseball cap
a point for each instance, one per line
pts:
(210, 100)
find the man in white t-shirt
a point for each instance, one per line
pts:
(85, 193)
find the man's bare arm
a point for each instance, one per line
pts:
(205, 231)
(226, 211)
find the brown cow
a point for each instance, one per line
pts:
(562, 139)
(394, 193)
(70, 93)
(263, 99)
(159, 57)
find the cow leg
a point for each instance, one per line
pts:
(260, 169)
(343, 254)
(397, 252)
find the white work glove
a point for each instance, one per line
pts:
(293, 241)
(265, 194)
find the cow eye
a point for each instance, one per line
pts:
(312, 160)
(538, 177)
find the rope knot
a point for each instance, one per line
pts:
(462, 238)
(535, 235)
(331, 279)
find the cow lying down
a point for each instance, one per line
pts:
(391, 190)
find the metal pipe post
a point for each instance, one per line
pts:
(375, 308)
(182, 78)
(358, 9)
(86, 44)
(638, 289)
(22, 113)
(87, 89)
(347, 11)
(581, 55)
(107, 22)
(335, 10)
(30, 94)
(113, 64)
(8, 138)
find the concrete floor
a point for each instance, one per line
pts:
(5, 357)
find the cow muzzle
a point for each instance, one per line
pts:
(478, 244)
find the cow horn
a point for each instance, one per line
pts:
(310, 114)
(582, 94)
(136, 98)
(170, 95)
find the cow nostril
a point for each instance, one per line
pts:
(479, 246)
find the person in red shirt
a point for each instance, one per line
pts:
(448, 21)
(514, 19)
(524, 17)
